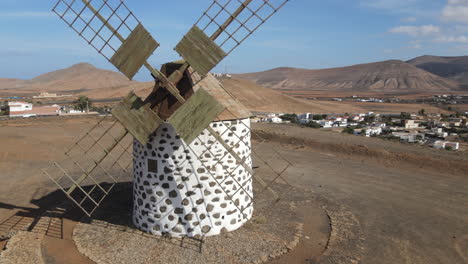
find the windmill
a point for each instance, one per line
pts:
(191, 139)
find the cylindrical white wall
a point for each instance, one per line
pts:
(193, 190)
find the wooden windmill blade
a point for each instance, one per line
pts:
(223, 27)
(92, 165)
(113, 30)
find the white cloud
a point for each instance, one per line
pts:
(25, 14)
(452, 39)
(456, 11)
(389, 4)
(416, 31)
(415, 44)
(462, 48)
(409, 19)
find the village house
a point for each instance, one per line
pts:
(379, 124)
(411, 124)
(446, 144)
(275, 120)
(439, 132)
(373, 131)
(305, 116)
(325, 123)
(410, 137)
(23, 109)
(356, 118)
(455, 122)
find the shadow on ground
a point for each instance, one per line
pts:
(54, 209)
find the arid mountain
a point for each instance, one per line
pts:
(261, 99)
(454, 68)
(6, 83)
(85, 79)
(79, 77)
(389, 76)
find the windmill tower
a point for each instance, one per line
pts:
(192, 165)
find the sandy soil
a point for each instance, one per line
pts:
(273, 231)
(387, 202)
(397, 209)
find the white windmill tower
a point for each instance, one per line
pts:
(192, 162)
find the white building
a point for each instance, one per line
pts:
(411, 124)
(373, 131)
(446, 144)
(275, 120)
(409, 137)
(23, 109)
(325, 123)
(439, 132)
(305, 116)
(19, 106)
(379, 124)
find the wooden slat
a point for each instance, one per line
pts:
(137, 118)
(195, 115)
(106, 152)
(230, 19)
(242, 162)
(234, 108)
(134, 51)
(200, 51)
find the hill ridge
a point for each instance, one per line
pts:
(384, 76)
(452, 67)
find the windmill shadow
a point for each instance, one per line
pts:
(56, 216)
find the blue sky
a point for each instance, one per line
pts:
(306, 34)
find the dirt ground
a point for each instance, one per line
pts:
(387, 202)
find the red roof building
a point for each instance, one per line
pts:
(22, 109)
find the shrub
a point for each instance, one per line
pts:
(348, 130)
(312, 125)
(290, 117)
(317, 117)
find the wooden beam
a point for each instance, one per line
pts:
(96, 163)
(242, 162)
(231, 19)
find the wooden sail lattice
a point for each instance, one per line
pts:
(102, 36)
(231, 22)
(223, 27)
(93, 165)
(112, 30)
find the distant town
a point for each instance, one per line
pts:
(439, 131)
(18, 107)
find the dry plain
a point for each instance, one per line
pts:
(387, 202)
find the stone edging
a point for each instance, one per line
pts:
(288, 246)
